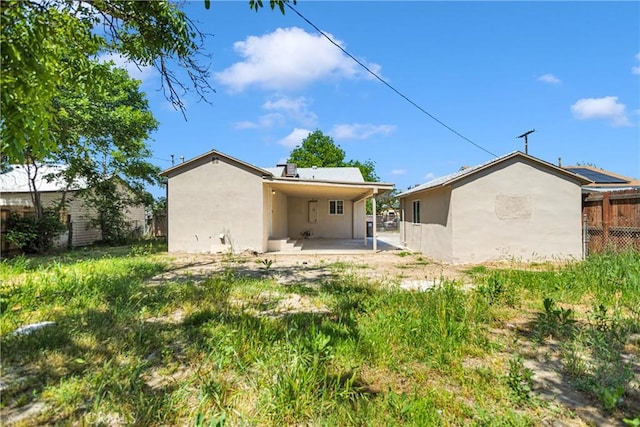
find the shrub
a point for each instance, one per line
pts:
(34, 235)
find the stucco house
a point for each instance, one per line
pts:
(15, 197)
(513, 207)
(217, 203)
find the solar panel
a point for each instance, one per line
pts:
(598, 177)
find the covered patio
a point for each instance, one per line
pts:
(321, 216)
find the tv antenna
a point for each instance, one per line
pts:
(526, 140)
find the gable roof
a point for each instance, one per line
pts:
(213, 154)
(457, 176)
(16, 180)
(603, 178)
(333, 174)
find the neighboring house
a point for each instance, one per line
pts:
(15, 197)
(610, 209)
(515, 206)
(217, 203)
(603, 180)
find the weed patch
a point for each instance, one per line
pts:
(218, 348)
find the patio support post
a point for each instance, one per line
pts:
(375, 222)
(364, 220)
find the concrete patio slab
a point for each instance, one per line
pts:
(385, 242)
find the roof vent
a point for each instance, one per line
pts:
(291, 170)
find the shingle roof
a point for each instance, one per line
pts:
(16, 180)
(451, 178)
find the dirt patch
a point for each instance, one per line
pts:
(388, 267)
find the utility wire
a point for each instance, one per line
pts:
(387, 84)
(164, 160)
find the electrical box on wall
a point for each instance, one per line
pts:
(313, 211)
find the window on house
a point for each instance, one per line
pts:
(416, 211)
(336, 207)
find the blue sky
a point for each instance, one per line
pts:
(489, 70)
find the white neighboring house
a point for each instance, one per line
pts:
(16, 197)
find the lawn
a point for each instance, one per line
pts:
(137, 339)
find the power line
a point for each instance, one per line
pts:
(387, 84)
(164, 160)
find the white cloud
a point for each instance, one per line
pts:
(636, 69)
(287, 58)
(264, 121)
(549, 78)
(139, 73)
(282, 110)
(294, 138)
(429, 176)
(360, 131)
(398, 172)
(296, 109)
(606, 108)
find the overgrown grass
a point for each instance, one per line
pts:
(209, 350)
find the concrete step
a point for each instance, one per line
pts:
(276, 245)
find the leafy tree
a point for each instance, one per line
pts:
(257, 4)
(318, 149)
(102, 131)
(367, 168)
(110, 199)
(389, 200)
(49, 44)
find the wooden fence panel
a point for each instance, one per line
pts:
(612, 220)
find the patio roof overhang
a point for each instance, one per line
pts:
(328, 189)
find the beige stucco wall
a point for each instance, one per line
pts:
(207, 200)
(516, 210)
(433, 236)
(327, 226)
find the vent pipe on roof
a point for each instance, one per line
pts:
(559, 162)
(181, 159)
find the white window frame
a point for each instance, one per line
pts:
(338, 207)
(413, 212)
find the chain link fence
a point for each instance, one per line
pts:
(611, 221)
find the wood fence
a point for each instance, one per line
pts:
(612, 220)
